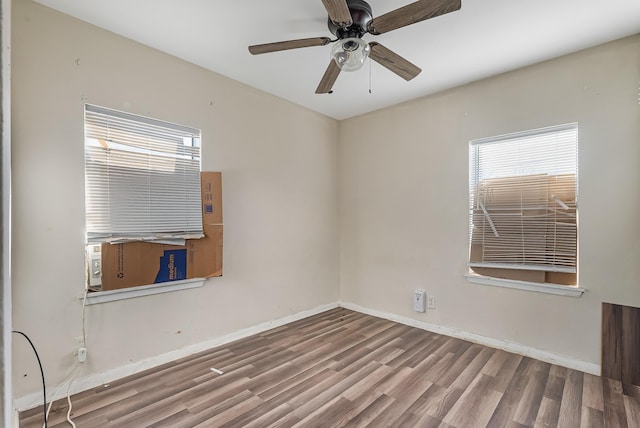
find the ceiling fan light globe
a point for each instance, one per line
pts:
(350, 53)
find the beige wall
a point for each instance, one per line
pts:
(279, 187)
(404, 199)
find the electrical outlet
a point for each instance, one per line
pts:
(431, 302)
(419, 301)
(82, 354)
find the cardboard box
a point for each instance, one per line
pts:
(211, 188)
(143, 263)
(204, 255)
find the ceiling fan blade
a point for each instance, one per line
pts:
(412, 13)
(393, 61)
(338, 12)
(289, 44)
(329, 78)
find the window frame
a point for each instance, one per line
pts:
(544, 180)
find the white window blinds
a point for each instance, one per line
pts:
(142, 178)
(523, 205)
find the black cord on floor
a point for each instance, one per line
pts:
(44, 391)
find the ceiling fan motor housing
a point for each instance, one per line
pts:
(361, 14)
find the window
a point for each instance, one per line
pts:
(142, 181)
(523, 206)
(142, 178)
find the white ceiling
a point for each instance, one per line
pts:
(484, 38)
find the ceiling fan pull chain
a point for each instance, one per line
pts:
(370, 75)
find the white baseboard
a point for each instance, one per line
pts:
(82, 384)
(516, 348)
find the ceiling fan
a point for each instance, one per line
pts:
(349, 20)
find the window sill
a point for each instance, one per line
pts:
(560, 290)
(144, 290)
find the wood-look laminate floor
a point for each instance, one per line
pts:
(343, 368)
